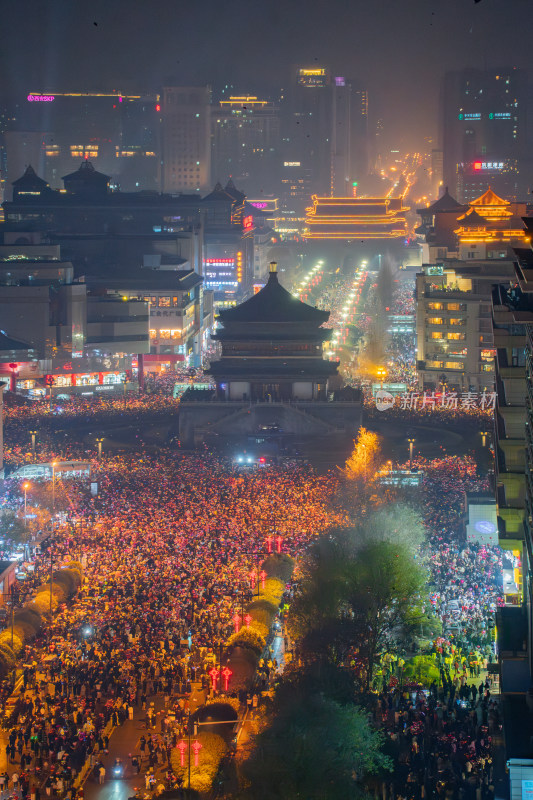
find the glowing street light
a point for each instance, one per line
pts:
(411, 443)
(26, 486)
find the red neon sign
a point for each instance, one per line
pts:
(248, 222)
(477, 165)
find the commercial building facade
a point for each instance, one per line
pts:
(455, 342)
(186, 139)
(484, 132)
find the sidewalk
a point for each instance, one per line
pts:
(125, 741)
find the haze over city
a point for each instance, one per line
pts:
(266, 348)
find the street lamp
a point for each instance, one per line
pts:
(99, 443)
(26, 486)
(382, 374)
(411, 443)
(484, 435)
(33, 435)
(54, 465)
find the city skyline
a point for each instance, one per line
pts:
(255, 49)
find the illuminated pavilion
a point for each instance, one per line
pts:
(491, 219)
(356, 218)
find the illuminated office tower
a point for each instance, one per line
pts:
(483, 129)
(246, 142)
(186, 139)
(307, 112)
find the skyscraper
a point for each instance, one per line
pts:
(246, 142)
(483, 116)
(186, 139)
(307, 131)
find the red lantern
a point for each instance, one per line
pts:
(182, 746)
(227, 673)
(213, 672)
(253, 576)
(278, 544)
(247, 620)
(196, 746)
(236, 621)
(262, 575)
(269, 543)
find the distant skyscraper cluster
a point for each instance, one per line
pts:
(311, 138)
(484, 127)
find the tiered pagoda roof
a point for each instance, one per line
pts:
(356, 218)
(490, 219)
(443, 204)
(274, 304)
(273, 335)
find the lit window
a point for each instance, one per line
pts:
(435, 306)
(153, 333)
(454, 365)
(453, 307)
(435, 321)
(164, 334)
(164, 302)
(456, 337)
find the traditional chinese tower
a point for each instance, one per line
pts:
(272, 348)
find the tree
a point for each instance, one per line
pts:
(398, 523)
(385, 282)
(359, 599)
(315, 748)
(365, 458)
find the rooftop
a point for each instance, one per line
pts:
(274, 304)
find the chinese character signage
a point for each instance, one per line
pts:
(428, 401)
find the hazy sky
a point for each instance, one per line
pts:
(396, 48)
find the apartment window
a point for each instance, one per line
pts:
(164, 302)
(435, 321)
(434, 364)
(175, 334)
(453, 307)
(435, 306)
(456, 337)
(436, 335)
(454, 365)
(456, 321)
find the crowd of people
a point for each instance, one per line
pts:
(169, 545)
(441, 734)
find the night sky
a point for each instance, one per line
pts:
(398, 49)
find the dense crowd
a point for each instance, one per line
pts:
(168, 546)
(442, 734)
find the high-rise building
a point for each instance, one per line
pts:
(483, 130)
(307, 130)
(186, 139)
(246, 143)
(118, 132)
(325, 135)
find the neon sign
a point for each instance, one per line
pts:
(248, 223)
(41, 98)
(483, 165)
(259, 205)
